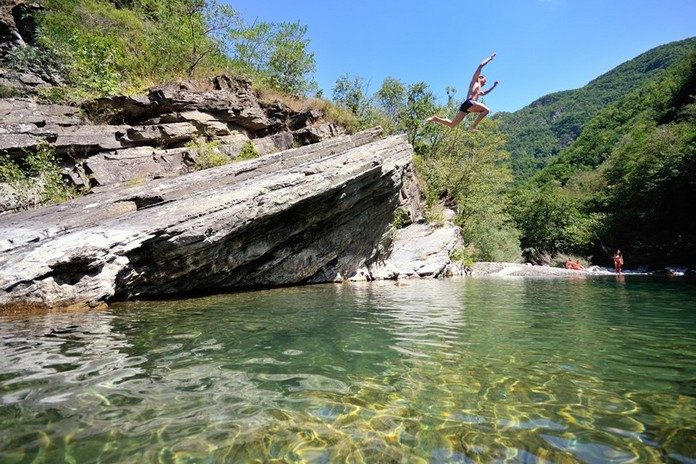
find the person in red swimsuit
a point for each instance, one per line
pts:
(471, 104)
(618, 261)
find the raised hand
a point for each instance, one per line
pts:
(488, 60)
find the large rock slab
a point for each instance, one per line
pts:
(314, 134)
(221, 98)
(28, 111)
(25, 124)
(135, 165)
(285, 218)
(94, 141)
(160, 134)
(209, 103)
(420, 250)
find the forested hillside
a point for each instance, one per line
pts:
(628, 181)
(99, 47)
(538, 132)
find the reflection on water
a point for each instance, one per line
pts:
(473, 370)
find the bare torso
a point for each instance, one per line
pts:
(475, 92)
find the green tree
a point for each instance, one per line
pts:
(107, 49)
(207, 23)
(471, 172)
(625, 182)
(420, 103)
(553, 221)
(277, 53)
(129, 45)
(352, 92)
(538, 133)
(391, 97)
(651, 187)
(291, 63)
(252, 45)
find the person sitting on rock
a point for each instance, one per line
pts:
(576, 266)
(471, 104)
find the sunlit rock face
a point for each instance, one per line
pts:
(17, 32)
(120, 138)
(309, 214)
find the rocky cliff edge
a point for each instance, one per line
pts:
(311, 214)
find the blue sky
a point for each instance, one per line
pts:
(543, 45)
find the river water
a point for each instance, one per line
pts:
(462, 370)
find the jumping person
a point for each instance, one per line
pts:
(471, 104)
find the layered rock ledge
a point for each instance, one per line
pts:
(119, 139)
(304, 215)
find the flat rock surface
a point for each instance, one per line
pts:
(522, 270)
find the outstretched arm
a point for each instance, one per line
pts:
(477, 73)
(486, 92)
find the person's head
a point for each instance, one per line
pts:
(482, 80)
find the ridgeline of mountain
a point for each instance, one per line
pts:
(538, 132)
(659, 102)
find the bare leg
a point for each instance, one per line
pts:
(482, 111)
(446, 122)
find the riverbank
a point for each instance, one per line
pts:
(527, 270)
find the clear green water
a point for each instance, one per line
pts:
(471, 370)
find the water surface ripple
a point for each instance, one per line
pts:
(474, 370)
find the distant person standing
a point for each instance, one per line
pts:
(618, 261)
(471, 104)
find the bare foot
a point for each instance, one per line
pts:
(430, 119)
(473, 129)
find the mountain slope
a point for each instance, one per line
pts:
(628, 181)
(538, 132)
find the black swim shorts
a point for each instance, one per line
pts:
(464, 107)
